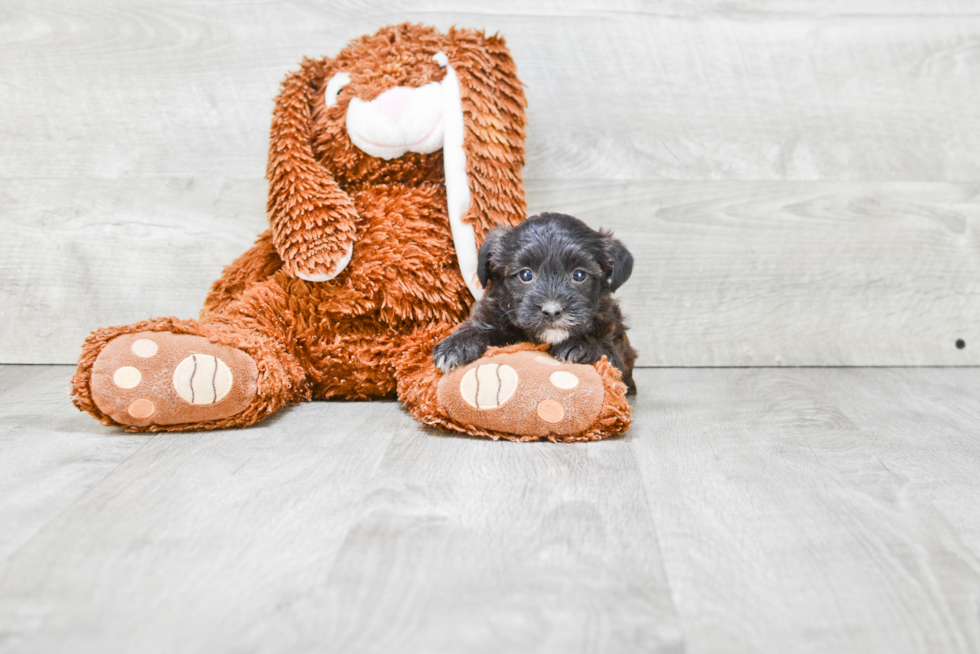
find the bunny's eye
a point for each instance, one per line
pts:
(578, 276)
(525, 276)
(334, 86)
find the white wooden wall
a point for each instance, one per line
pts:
(799, 181)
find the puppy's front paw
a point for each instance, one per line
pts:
(456, 350)
(574, 350)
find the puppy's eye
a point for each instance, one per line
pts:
(525, 276)
(578, 276)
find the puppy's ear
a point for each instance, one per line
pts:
(619, 259)
(485, 258)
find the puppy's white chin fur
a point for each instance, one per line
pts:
(554, 336)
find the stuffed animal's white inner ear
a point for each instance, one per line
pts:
(337, 82)
(457, 184)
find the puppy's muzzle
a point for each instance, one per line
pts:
(552, 310)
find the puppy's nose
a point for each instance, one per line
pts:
(552, 310)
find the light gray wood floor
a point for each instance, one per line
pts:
(774, 510)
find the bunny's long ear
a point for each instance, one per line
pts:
(313, 220)
(484, 152)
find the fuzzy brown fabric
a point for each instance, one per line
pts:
(368, 332)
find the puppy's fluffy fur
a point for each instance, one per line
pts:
(548, 280)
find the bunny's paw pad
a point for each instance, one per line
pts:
(160, 378)
(525, 393)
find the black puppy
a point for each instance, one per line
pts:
(548, 280)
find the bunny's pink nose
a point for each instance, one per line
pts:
(393, 102)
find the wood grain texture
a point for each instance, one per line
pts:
(730, 91)
(816, 510)
(333, 527)
(82, 253)
(831, 144)
(792, 274)
(49, 455)
(727, 273)
(782, 510)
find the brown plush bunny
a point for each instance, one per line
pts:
(388, 165)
